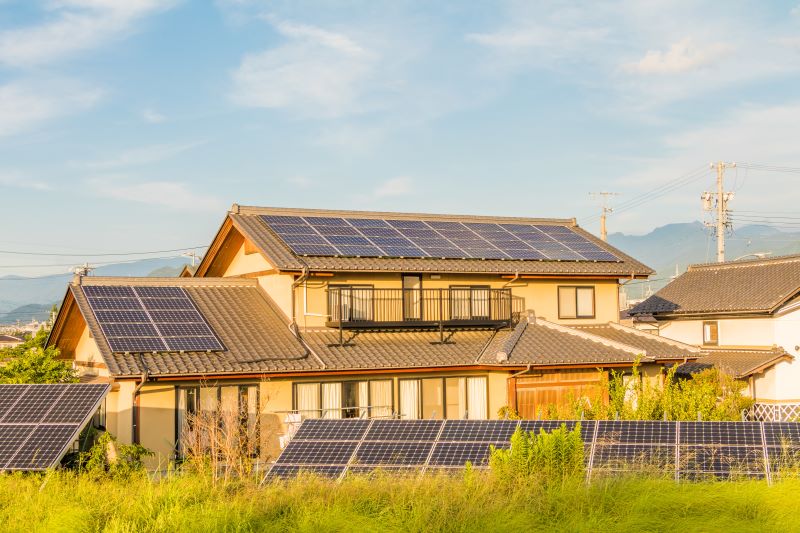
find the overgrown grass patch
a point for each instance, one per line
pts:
(479, 502)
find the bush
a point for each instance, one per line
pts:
(554, 456)
(108, 458)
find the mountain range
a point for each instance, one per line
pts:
(667, 250)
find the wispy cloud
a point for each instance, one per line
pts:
(152, 116)
(74, 26)
(301, 182)
(171, 194)
(400, 186)
(25, 104)
(317, 73)
(143, 155)
(18, 181)
(683, 56)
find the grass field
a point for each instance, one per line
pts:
(68, 502)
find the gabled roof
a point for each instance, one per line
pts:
(10, 338)
(253, 330)
(247, 221)
(659, 348)
(737, 363)
(537, 342)
(758, 286)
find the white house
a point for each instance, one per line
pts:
(745, 315)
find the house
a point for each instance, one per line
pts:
(9, 341)
(335, 314)
(745, 315)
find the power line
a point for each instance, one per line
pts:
(102, 263)
(103, 254)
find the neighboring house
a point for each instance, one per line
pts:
(745, 315)
(10, 341)
(274, 323)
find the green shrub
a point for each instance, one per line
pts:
(107, 458)
(554, 456)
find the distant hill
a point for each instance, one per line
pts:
(17, 293)
(678, 245)
(26, 313)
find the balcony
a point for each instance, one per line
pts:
(467, 307)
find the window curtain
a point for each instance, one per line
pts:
(585, 301)
(307, 400)
(331, 400)
(380, 398)
(363, 399)
(476, 398)
(409, 399)
(566, 302)
(183, 424)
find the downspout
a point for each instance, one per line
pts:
(137, 417)
(296, 283)
(517, 374)
(512, 280)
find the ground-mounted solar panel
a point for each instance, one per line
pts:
(358, 237)
(634, 457)
(721, 461)
(537, 426)
(150, 319)
(461, 453)
(478, 430)
(399, 430)
(291, 471)
(36, 431)
(318, 453)
(393, 453)
(10, 395)
(636, 432)
(731, 433)
(352, 429)
(781, 433)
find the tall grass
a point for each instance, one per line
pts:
(475, 502)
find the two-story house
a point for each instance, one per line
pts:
(745, 315)
(359, 314)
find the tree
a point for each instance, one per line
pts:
(31, 362)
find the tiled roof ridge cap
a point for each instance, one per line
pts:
(721, 349)
(176, 282)
(257, 210)
(590, 337)
(650, 336)
(511, 342)
(748, 263)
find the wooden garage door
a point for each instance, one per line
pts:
(534, 394)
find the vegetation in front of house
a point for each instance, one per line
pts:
(474, 502)
(708, 395)
(553, 457)
(31, 362)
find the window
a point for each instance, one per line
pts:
(461, 397)
(412, 297)
(711, 333)
(576, 302)
(233, 408)
(351, 303)
(344, 399)
(470, 302)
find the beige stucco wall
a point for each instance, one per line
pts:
(157, 422)
(87, 352)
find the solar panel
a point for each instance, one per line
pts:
(150, 319)
(290, 471)
(322, 429)
(393, 453)
(459, 453)
(393, 430)
(9, 395)
(358, 237)
(36, 430)
(685, 450)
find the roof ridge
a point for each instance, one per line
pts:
(259, 210)
(178, 282)
(659, 338)
(593, 338)
(747, 263)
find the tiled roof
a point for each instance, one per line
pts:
(737, 363)
(256, 337)
(759, 286)
(541, 343)
(396, 349)
(653, 345)
(248, 222)
(9, 338)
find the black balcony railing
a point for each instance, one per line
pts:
(364, 307)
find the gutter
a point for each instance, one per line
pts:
(137, 415)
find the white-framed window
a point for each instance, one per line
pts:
(452, 397)
(576, 302)
(344, 399)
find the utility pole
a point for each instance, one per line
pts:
(606, 210)
(191, 254)
(720, 207)
(83, 270)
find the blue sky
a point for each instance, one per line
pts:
(132, 125)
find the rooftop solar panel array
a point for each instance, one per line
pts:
(39, 422)
(362, 237)
(685, 450)
(150, 319)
